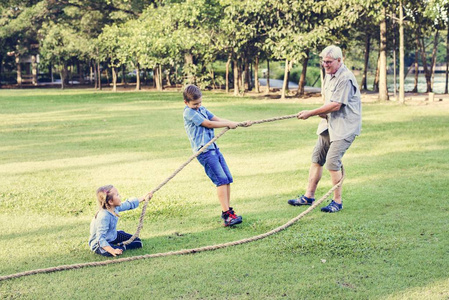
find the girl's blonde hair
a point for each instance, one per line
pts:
(103, 196)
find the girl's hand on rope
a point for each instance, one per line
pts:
(147, 197)
(112, 251)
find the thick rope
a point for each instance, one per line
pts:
(180, 252)
(144, 209)
(186, 251)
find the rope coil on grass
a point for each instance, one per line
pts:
(185, 251)
(179, 252)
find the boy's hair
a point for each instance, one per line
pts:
(103, 197)
(191, 93)
(332, 51)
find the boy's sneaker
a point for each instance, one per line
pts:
(230, 218)
(301, 200)
(332, 207)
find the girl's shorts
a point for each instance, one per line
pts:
(121, 237)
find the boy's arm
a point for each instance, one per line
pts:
(217, 122)
(244, 124)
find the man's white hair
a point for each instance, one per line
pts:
(332, 51)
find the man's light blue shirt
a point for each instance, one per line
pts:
(198, 135)
(103, 228)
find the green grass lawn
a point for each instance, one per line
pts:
(391, 241)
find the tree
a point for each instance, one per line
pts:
(306, 25)
(110, 43)
(59, 46)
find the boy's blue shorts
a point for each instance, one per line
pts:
(215, 166)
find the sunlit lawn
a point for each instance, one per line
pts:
(390, 241)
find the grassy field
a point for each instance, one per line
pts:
(391, 241)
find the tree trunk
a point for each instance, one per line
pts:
(69, 76)
(62, 79)
(447, 60)
(80, 73)
(290, 66)
(376, 78)
(434, 54)
(107, 77)
(19, 71)
(394, 58)
(302, 78)
(168, 78)
(99, 76)
(227, 73)
(267, 91)
(94, 65)
(415, 88)
(63, 75)
(284, 85)
(383, 89)
(156, 78)
(123, 76)
(114, 79)
(143, 79)
(50, 70)
(363, 85)
(247, 75)
(161, 83)
(256, 75)
(236, 78)
(242, 81)
(34, 69)
(1, 69)
(138, 87)
(424, 63)
(401, 54)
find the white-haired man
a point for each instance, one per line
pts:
(341, 122)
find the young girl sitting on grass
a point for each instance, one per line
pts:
(104, 237)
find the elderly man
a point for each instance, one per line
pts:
(341, 122)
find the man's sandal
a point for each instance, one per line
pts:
(301, 200)
(332, 207)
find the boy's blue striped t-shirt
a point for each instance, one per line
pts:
(198, 135)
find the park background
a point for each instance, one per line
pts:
(223, 44)
(59, 145)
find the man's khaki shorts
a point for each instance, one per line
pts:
(330, 153)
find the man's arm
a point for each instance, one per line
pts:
(321, 111)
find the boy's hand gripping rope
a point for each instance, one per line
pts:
(144, 209)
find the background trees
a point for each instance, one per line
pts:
(219, 43)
